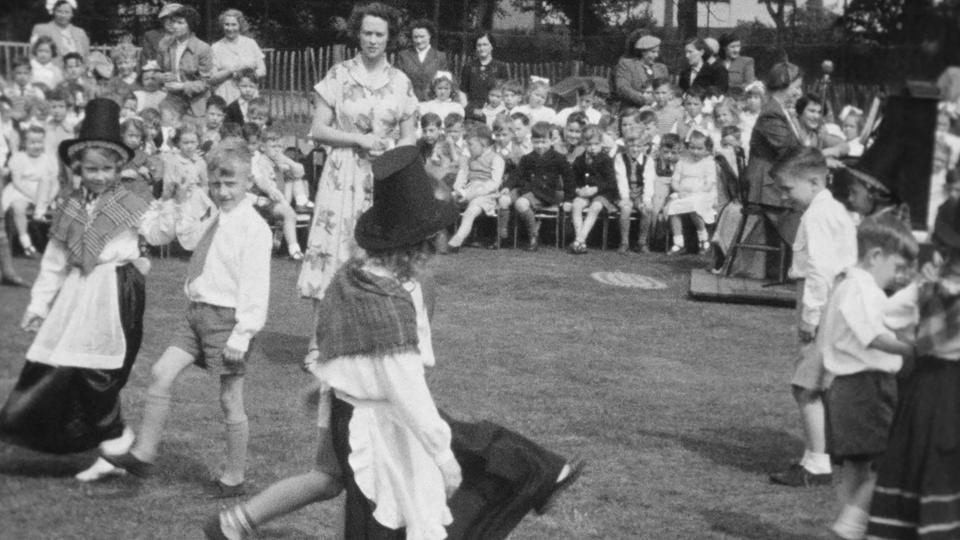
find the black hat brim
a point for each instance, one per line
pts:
(69, 149)
(372, 236)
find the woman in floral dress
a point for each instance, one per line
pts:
(364, 107)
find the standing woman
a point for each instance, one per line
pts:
(699, 73)
(481, 74)
(421, 62)
(186, 62)
(232, 54)
(364, 106)
(740, 70)
(67, 37)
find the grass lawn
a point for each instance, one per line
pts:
(681, 408)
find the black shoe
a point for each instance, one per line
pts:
(798, 476)
(576, 469)
(130, 463)
(224, 491)
(212, 530)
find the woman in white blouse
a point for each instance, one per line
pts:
(232, 54)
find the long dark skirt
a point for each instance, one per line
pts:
(63, 410)
(505, 475)
(918, 486)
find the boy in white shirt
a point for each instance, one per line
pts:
(228, 286)
(826, 244)
(862, 356)
(636, 176)
(586, 97)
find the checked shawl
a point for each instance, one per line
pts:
(85, 235)
(939, 324)
(362, 313)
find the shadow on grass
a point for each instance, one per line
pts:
(284, 532)
(16, 461)
(283, 348)
(752, 449)
(181, 467)
(741, 525)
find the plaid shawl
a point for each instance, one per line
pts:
(85, 235)
(939, 317)
(362, 313)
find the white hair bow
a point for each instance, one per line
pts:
(755, 85)
(539, 79)
(443, 75)
(850, 110)
(51, 3)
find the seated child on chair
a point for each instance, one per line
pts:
(33, 184)
(267, 176)
(694, 191)
(595, 187)
(477, 182)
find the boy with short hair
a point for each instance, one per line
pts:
(826, 243)
(693, 118)
(636, 176)
(478, 181)
(228, 286)
(270, 169)
(126, 58)
(586, 97)
(862, 356)
(520, 144)
(248, 84)
(595, 187)
(258, 112)
(539, 181)
(453, 132)
(512, 95)
(494, 105)
(665, 106)
(213, 122)
(58, 126)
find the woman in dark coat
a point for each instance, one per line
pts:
(480, 74)
(421, 62)
(699, 73)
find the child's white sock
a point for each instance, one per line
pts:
(852, 523)
(238, 433)
(816, 462)
(151, 427)
(678, 240)
(25, 241)
(235, 524)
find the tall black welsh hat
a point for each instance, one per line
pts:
(100, 129)
(409, 205)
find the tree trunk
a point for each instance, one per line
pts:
(687, 18)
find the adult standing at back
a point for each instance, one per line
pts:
(150, 42)
(480, 74)
(638, 68)
(421, 62)
(740, 69)
(234, 53)
(699, 73)
(186, 61)
(364, 106)
(67, 37)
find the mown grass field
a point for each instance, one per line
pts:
(681, 408)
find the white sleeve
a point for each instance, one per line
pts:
(649, 180)
(158, 224)
(53, 270)
(901, 310)
(623, 183)
(253, 286)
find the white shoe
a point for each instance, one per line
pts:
(120, 445)
(99, 470)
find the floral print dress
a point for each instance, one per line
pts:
(345, 189)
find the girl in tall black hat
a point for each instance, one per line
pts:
(409, 470)
(918, 482)
(86, 305)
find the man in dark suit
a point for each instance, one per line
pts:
(422, 62)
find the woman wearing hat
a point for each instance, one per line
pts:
(637, 68)
(67, 37)
(150, 42)
(86, 305)
(740, 69)
(187, 61)
(422, 62)
(364, 107)
(408, 469)
(234, 53)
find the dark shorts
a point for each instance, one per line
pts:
(203, 334)
(860, 411)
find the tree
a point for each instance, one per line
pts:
(780, 11)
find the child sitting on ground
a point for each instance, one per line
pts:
(228, 286)
(269, 167)
(862, 357)
(693, 191)
(33, 184)
(477, 182)
(826, 244)
(443, 90)
(536, 108)
(595, 187)
(494, 105)
(538, 182)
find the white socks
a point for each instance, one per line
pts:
(852, 523)
(816, 462)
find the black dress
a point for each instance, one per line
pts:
(63, 410)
